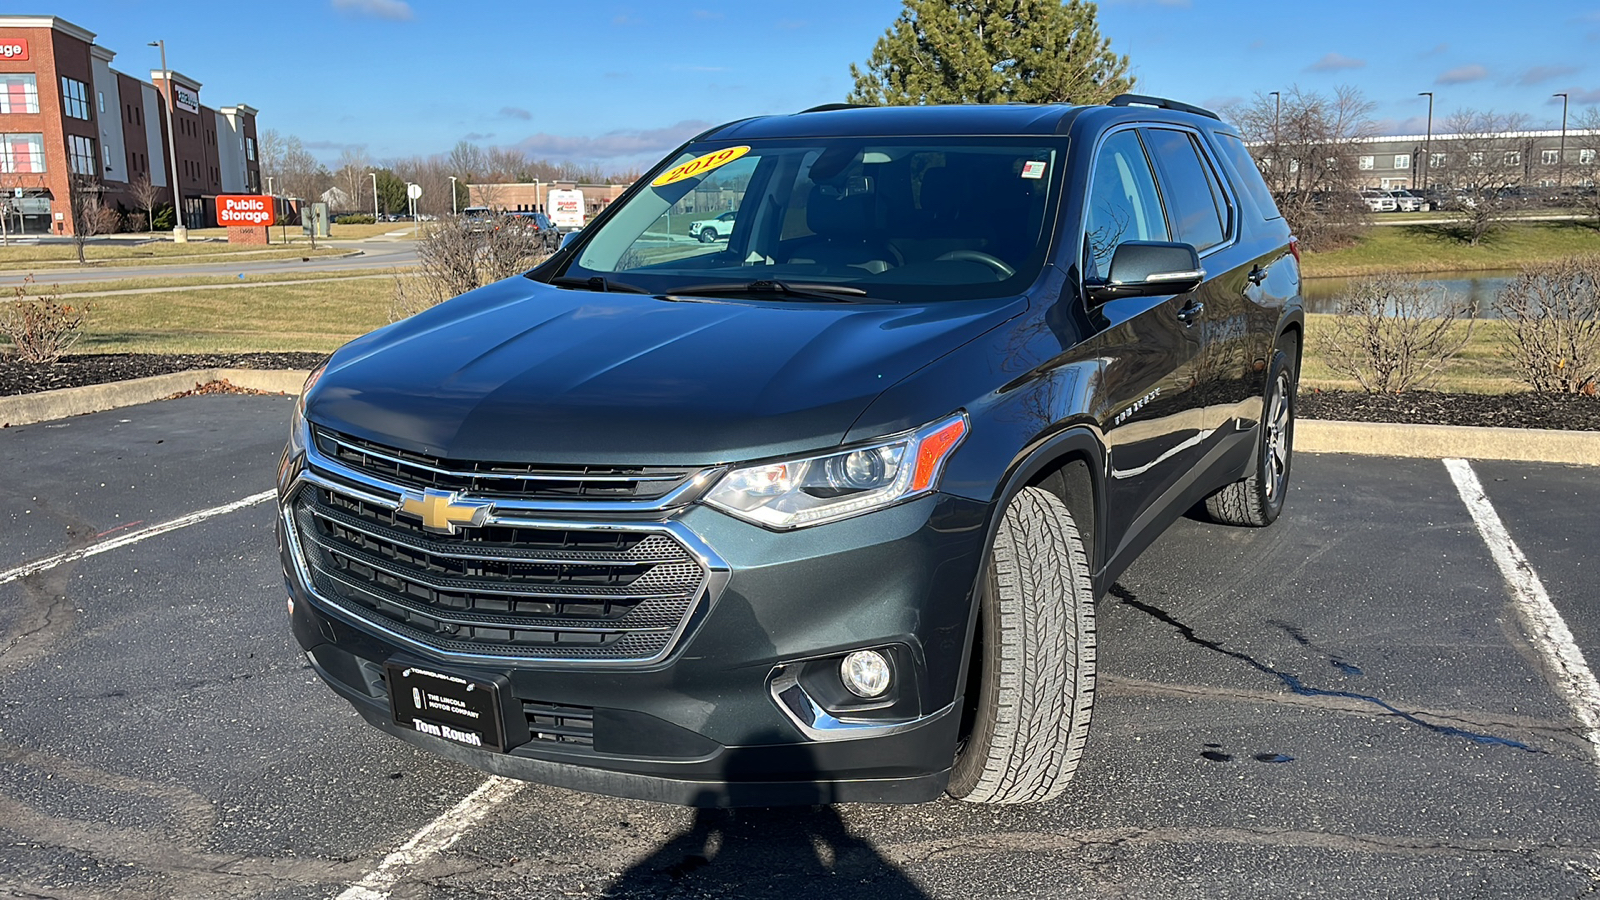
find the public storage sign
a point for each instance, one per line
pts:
(13, 48)
(244, 209)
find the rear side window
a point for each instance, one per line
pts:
(1188, 186)
(1247, 174)
(1123, 205)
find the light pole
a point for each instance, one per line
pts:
(1427, 143)
(452, 195)
(1561, 155)
(180, 232)
(374, 195)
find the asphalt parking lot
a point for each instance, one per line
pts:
(1346, 704)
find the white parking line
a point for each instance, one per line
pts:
(1544, 624)
(435, 837)
(132, 537)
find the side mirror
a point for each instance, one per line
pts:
(567, 238)
(1148, 269)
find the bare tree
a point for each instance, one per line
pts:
(1552, 316)
(1485, 166)
(350, 176)
(1585, 176)
(1393, 334)
(90, 216)
(145, 195)
(1308, 152)
(453, 259)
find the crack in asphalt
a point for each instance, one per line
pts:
(1297, 686)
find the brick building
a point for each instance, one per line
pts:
(64, 112)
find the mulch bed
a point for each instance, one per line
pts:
(1564, 412)
(99, 368)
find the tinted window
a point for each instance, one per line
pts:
(1247, 174)
(1187, 188)
(1123, 205)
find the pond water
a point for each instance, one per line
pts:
(1478, 288)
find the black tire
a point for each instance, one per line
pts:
(1031, 684)
(1256, 500)
(707, 235)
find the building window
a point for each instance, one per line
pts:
(1475, 158)
(19, 94)
(1586, 157)
(101, 97)
(105, 150)
(1513, 157)
(1402, 160)
(1547, 182)
(21, 153)
(250, 149)
(1437, 160)
(74, 98)
(80, 155)
(1549, 157)
(1364, 163)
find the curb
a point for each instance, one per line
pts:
(29, 409)
(1310, 435)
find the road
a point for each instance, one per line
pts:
(371, 255)
(1346, 704)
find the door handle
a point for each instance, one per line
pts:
(1189, 313)
(1257, 275)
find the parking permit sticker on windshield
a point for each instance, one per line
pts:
(700, 165)
(1034, 169)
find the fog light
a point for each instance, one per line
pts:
(865, 673)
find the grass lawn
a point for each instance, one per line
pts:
(274, 317)
(1439, 248)
(48, 256)
(1482, 368)
(43, 286)
(339, 232)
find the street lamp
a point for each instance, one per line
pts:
(180, 232)
(1561, 157)
(1427, 144)
(452, 195)
(374, 195)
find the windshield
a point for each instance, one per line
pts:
(890, 219)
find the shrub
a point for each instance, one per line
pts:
(355, 219)
(454, 258)
(163, 218)
(41, 328)
(1393, 334)
(1552, 315)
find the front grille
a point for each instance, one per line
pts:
(558, 723)
(499, 590)
(525, 481)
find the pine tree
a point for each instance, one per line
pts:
(992, 51)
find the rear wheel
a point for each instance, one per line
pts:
(1256, 500)
(1031, 686)
(707, 235)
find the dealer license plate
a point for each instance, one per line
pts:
(448, 705)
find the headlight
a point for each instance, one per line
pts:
(812, 490)
(299, 434)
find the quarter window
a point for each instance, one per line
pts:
(1195, 203)
(19, 93)
(21, 153)
(1235, 153)
(74, 98)
(1123, 204)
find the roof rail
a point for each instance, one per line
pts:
(1162, 103)
(830, 107)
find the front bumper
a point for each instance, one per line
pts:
(708, 725)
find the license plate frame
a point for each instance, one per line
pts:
(463, 708)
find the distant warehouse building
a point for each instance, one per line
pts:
(1537, 158)
(65, 112)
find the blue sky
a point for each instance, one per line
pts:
(619, 83)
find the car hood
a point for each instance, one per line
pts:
(521, 371)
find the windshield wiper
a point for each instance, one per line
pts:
(598, 284)
(837, 293)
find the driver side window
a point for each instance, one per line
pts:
(1123, 204)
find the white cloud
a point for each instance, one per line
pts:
(1334, 62)
(393, 10)
(515, 112)
(623, 144)
(1463, 75)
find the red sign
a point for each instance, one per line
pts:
(244, 209)
(13, 48)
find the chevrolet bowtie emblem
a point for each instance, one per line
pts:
(444, 511)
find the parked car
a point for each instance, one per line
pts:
(479, 219)
(1405, 201)
(537, 222)
(820, 514)
(1378, 201)
(708, 230)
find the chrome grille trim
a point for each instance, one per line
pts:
(370, 450)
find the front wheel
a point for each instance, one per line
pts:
(1256, 500)
(1031, 682)
(707, 235)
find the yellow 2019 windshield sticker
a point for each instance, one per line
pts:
(700, 165)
